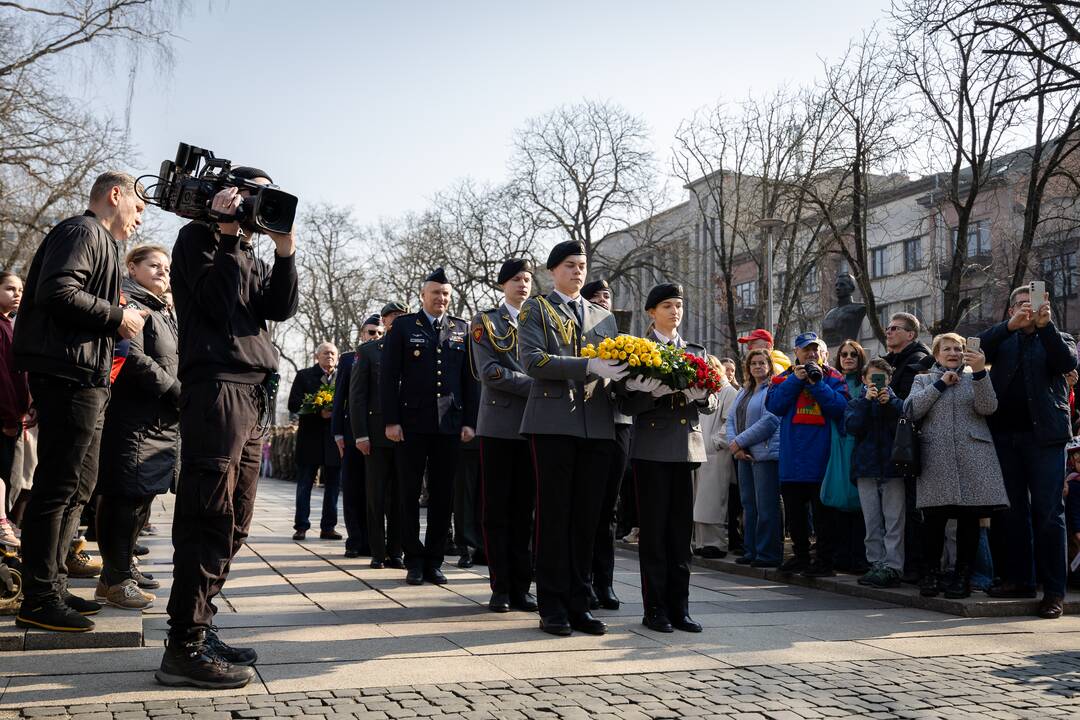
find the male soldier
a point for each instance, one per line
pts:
(429, 402)
(380, 461)
(602, 574)
(569, 421)
(507, 484)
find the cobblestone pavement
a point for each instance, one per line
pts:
(988, 686)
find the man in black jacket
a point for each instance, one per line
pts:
(68, 324)
(225, 296)
(315, 446)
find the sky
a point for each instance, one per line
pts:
(380, 105)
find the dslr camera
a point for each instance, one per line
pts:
(187, 185)
(813, 372)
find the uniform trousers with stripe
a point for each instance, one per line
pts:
(665, 494)
(507, 499)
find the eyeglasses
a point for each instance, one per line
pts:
(849, 354)
(898, 328)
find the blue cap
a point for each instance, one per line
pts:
(805, 339)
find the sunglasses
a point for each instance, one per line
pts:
(849, 354)
(372, 333)
(897, 328)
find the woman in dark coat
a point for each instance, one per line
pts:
(140, 441)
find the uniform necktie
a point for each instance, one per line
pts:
(579, 312)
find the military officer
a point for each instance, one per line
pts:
(602, 576)
(569, 420)
(429, 402)
(380, 456)
(507, 485)
(667, 445)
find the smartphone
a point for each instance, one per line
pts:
(878, 379)
(1038, 295)
(973, 344)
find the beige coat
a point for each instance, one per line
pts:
(714, 476)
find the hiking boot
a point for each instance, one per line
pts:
(52, 615)
(145, 581)
(80, 564)
(930, 584)
(125, 595)
(190, 661)
(228, 653)
(7, 535)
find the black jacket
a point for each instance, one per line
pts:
(909, 362)
(314, 442)
(1045, 364)
(224, 298)
(140, 443)
(71, 306)
(365, 410)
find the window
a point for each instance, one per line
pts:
(883, 315)
(978, 238)
(746, 293)
(810, 282)
(914, 306)
(913, 255)
(877, 262)
(1059, 272)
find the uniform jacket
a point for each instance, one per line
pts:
(71, 310)
(563, 398)
(959, 463)
(1047, 360)
(339, 418)
(806, 414)
(668, 428)
(365, 408)
(761, 436)
(425, 379)
(314, 443)
(140, 441)
(873, 426)
(504, 386)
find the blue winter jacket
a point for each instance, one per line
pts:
(761, 438)
(873, 426)
(806, 415)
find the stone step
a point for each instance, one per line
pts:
(113, 629)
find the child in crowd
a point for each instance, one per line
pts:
(1072, 506)
(871, 418)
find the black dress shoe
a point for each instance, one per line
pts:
(586, 623)
(524, 603)
(299, 535)
(415, 576)
(375, 564)
(499, 602)
(329, 535)
(556, 625)
(745, 560)
(1050, 607)
(608, 599)
(351, 553)
(1010, 590)
(435, 576)
(686, 624)
(395, 562)
(466, 560)
(711, 552)
(657, 620)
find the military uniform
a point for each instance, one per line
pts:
(667, 445)
(381, 469)
(508, 486)
(569, 419)
(602, 577)
(428, 389)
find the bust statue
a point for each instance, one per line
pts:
(844, 320)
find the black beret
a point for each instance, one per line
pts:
(373, 320)
(588, 290)
(512, 267)
(250, 173)
(437, 275)
(564, 250)
(662, 292)
(393, 307)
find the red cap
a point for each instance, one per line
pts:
(758, 334)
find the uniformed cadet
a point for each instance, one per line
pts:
(569, 419)
(507, 484)
(430, 402)
(380, 455)
(602, 577)
(666, 447)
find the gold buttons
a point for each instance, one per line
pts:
(438, 350)
(416, 353)
(683, 421)
(545, 394)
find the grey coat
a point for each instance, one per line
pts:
(504, 386)
(668, 428)
(959, 464)
(563, 398)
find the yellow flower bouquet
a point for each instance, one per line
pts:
(321, 399)
(677, 368)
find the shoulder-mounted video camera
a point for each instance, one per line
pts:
(186, 186)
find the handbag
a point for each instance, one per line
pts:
(837, 490)
(906, 454)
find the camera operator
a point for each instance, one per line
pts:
(224, 298)
(69, 321)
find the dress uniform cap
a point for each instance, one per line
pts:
(662, 292)
(393, 307)
(512, 267)
(564, 250)
(373, 320)
(591, 288)
(437, 275)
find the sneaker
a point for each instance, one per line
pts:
(228, 653)
(633, 536)
(81, 606)
(7, 534)
(191, 662)
(148, 530)
(80, 564)
(884, 577)
(125, 595)
(54, 615)
(871, 576)
(140, 550)
(145, 581)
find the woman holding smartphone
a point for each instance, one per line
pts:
(667, 447)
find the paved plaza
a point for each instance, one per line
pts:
(338, 640)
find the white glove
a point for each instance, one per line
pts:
(663, 390)
(696, 393)
(610, 369)
(643, 384)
